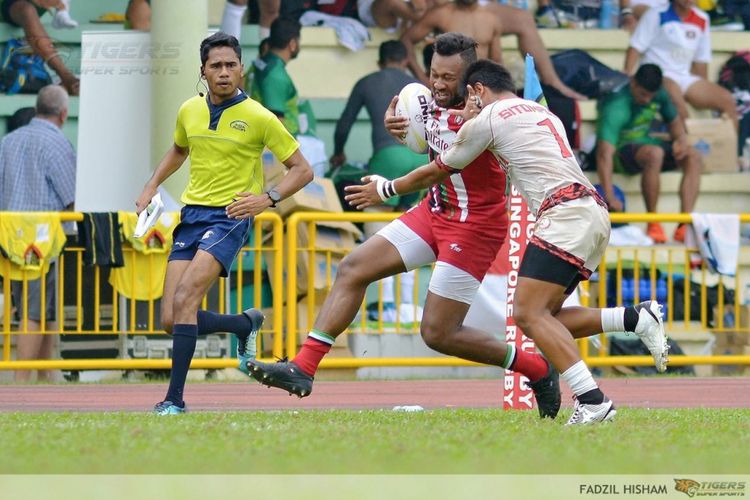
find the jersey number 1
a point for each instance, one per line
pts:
(564, 151)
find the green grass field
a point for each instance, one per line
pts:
(462, 441)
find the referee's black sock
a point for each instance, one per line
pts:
(211, 322)
(183, 347)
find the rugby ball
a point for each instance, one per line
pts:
(415, 102)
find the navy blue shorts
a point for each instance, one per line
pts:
(209, 229)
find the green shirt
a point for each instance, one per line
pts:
(622, 121)
(273, 87)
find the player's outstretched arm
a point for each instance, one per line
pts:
(168, 165)
(376, 189)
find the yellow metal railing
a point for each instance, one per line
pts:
(107, 314)
(645, 263)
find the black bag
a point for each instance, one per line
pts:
(634, 347)
(712, 300)
(585, 74)
(567, 110)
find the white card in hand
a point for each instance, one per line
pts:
(149, 216)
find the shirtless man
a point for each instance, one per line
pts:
(486, 24)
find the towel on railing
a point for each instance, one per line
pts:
(142, 276)
(351, 33)
(99, 235)
(717, 237)
(29, 241)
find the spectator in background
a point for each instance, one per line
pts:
(678, 40)
(392, 15)
(624, 145)
(374, 92)
(271, 84)
(263, 48)
(138, 15)
(390, 158)
(37, 174)
(25, 14)
(234, 10)
(462, 16)
(553, 14)
(641, 6)
(486, 23)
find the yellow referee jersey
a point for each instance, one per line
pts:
(226, 143)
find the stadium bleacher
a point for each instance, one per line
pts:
(318, 75)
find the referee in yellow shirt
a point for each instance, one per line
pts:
(225, 134)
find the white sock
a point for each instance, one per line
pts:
(231, 21)
(264, 32)
(579, 379)
(62, 20)
(613, 319)
(388, 285)
(407, 287)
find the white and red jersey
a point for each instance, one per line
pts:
(529, 142)
(673, 43)
(476, 194)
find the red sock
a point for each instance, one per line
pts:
(533, 365)
(310, 355)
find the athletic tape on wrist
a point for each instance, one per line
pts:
(384, 187)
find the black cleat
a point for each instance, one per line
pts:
(547, 393)
(283, 374)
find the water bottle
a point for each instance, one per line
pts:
(606, 15)
(661, 291)
(644, 289)
(627, 292)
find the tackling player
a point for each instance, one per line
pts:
(570, 235)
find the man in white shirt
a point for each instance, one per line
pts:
(677, 39)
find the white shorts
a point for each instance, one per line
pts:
(364, 10)
(447, 280)
(683, 80)
(579, 227)
(652, 4)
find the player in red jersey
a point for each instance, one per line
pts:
(460, 225)
(569, 237)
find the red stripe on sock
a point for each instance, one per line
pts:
(533, 365)
(310, 355)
